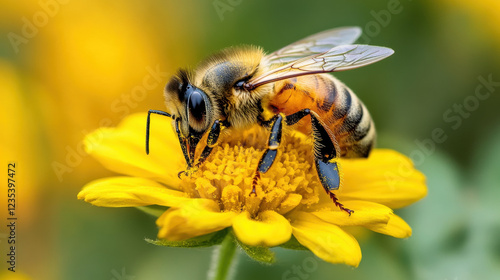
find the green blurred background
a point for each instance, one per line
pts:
(69, 67)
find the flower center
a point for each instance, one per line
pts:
(227, 175)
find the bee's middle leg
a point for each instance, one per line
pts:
(267, 159)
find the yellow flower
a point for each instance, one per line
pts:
(289, 201)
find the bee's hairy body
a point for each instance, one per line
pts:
(341, 110)
(240, 87)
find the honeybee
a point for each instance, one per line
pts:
(242, 86)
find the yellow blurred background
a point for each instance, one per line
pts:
(69, 67)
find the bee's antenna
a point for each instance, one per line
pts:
(147, 125)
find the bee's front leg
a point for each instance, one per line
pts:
(213, 137)
(188, 172)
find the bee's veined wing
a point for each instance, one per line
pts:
(339, 58)
(315, 44)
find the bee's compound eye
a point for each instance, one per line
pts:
(197, 108)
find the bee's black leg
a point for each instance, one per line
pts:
(326, 154)
(213, 137)
(267, 159)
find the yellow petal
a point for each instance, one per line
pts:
(122, 149)
(194, 218)
(325, 240)
(396, 227)
(130, 192)
(386, 177)
(270, 229)
(365, 212)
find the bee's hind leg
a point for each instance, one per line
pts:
(326, 154)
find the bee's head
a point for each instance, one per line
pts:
(191, 108)
(223, 76)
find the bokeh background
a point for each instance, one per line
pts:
(69, 67)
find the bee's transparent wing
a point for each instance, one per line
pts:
(315, 44)
(339, 58)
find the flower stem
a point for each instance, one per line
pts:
(222, 259)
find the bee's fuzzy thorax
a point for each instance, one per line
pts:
(245, 54)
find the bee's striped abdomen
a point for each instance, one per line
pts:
(336, 104)
(351, 122)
